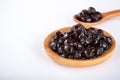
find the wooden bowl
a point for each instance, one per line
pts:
(77, 63)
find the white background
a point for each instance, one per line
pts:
(24, 24)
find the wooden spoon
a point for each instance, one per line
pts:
(77, 63)
(105, 16)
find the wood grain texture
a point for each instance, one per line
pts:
(77, 63)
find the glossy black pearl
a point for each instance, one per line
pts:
(80, 43)
(90, 15)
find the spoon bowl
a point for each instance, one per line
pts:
(105, 16)
(77, 63)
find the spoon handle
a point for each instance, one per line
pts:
(111, 14)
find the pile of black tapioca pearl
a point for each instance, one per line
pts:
(90, 15)
(80, 43)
